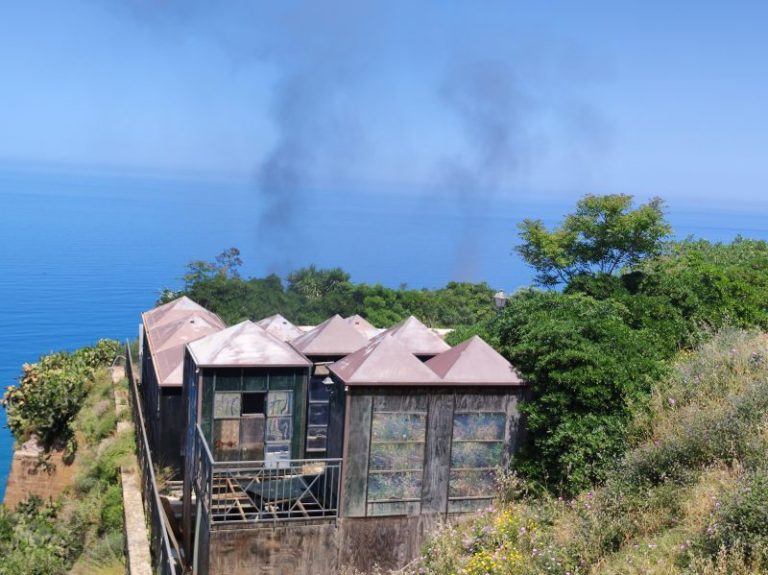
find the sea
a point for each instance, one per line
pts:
(83, 253)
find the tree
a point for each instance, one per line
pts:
(602, 236)
(224, 265)
(587, 367)
(314, 283)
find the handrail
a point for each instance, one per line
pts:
(163, 556)
(259, 492)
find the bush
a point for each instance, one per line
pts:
(587, 368)
(51, 392)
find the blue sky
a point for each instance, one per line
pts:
(649, 98)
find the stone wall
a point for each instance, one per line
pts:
(29, 477)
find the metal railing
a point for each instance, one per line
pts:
(165, 561)
(262, 492)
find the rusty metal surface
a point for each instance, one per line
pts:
(474, 362)
(280, 327)
(384, 361)
(169, 328)
(335, 336)
(363, 326)
(417, 337)
(245, 344)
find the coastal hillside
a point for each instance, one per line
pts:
(64, 405)
(689, 496)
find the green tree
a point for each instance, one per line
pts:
(314, 283)
(587, 368)
(226, 265)
(603, 235)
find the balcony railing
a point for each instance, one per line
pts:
(240, 492)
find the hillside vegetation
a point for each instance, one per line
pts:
(690, 495)
(66, 400)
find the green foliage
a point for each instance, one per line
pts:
(50, 393)
(586, 367)
(703, 514)
(311, 295)
(602, 236)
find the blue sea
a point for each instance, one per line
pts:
(81, 255)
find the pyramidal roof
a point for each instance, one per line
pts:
(169, 328)
(363, 326)
(417, 337)
(474, 362)
(245, 345)
(384, 361)
(280, 327)
(178, 308)
(335, 336)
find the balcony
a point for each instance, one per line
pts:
(264, 492)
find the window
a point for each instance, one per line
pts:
(317, 417)
(477, 449)
(244, 417)
(279, 425)
(396, 462)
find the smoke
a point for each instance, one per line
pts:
(322, 58)
(493, 111)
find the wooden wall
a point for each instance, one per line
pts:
(442, 404)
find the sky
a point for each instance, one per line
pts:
(495, 97)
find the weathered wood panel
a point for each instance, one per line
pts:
(284, 550)
(358, 438)
(438, 454)
(389, 542)
(481, 402)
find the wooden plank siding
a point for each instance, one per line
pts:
(356, 449)
(437, 458)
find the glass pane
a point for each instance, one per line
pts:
(253, 403)
(318, 414)
(279, 428)
(228, 379)
(318, 391)
(476, 454)
(254, 381)
(279, 403)
(278, 451)
(397, 508)
(281, 381)
(400, 485)
(226, 438)
(317, 437)
(471, 483)
(398, 427)
(397, 456)
(469, 505)
(226, 405)
(479, 426)
(252, 438)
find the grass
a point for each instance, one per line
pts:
(690, 495)
(82, 532)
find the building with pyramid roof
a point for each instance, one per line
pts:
(363, 326)
(474, 362)
(333, 338)
(166, 330)
(418, 338)
(421, 438)
(280, 327)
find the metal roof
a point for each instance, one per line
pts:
(169, 328)
(363, 326)
(280, 327)
(332, 337)
(245, 345)
(384, 361)
(474, 362)
(417, 337)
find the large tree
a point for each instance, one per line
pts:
(603, 235)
